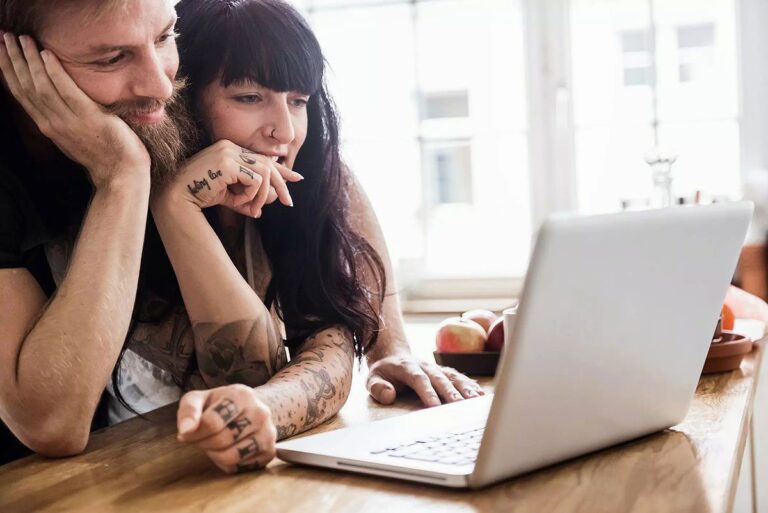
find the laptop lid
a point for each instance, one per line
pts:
(615, 320)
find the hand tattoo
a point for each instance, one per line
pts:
(247, 172)
(214, 174)
(199, 185)
(237, 427)
(226, 409)
(226, 360)
(247, 159)
(247, 451)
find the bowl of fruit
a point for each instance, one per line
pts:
(472, 343)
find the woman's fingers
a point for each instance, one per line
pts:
(248, 423)
(254, 450)
(276, 180)
(288, 173)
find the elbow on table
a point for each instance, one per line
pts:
(56, 439)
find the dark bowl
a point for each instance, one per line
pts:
(474, 364)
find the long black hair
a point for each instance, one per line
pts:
(320, 265)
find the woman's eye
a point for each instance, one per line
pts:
(248, 98)
(300, 102)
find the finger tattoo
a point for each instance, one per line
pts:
(238, 426)
(246, 171)
(226, 410)
(249, 450)
(246, 150)
(248, 160)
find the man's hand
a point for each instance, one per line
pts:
(430, 381)
(230, 424)
(103, 143)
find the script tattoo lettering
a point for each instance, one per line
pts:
(214, 174)
(226, 410)
(198, 186)
(247, 172)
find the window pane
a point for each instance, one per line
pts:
(696, 97)
(432, 100)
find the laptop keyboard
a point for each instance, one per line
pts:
(452, 448)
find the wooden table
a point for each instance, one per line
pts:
(138, 466)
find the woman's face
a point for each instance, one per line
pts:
(254, 117)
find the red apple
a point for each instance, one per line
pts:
(459, 335)
(483, 317)
(495, 341)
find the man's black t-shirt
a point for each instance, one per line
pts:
(37, 206)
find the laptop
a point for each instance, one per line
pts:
(615, 321)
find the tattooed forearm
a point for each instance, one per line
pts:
(246, 352)
(313, 386)
(167, 344)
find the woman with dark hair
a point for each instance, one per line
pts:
(256, 278)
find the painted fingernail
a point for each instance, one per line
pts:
(290, 202)
(186, 426)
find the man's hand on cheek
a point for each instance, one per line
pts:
(232, 427)
(102, 143)
(431, 382)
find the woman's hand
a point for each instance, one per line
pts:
(103, 143)
(238, 178)
(230, 424)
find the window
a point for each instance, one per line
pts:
(467, 121)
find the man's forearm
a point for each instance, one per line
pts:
(67, 357)
(315, 384)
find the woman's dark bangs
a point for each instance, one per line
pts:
(271, 51)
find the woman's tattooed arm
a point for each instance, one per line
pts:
(314, 385)
(247, 351)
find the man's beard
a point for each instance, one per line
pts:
(168, 141)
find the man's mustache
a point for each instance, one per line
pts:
(127, 108)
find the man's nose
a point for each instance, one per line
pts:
(152, 79)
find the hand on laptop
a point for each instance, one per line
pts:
(432, 383)
(230, 424)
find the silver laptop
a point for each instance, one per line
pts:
(615, 320)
